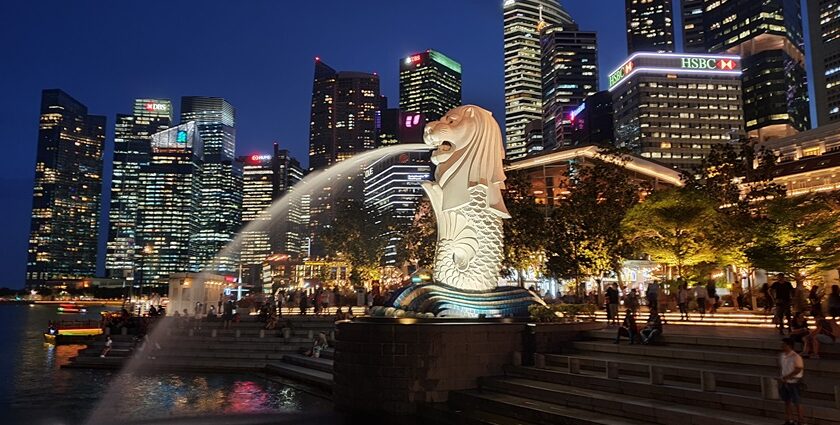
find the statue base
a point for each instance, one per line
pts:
(439, 300)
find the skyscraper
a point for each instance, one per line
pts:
(343, 123)
(768, 36)
(650, 26)
(169, 207)
(430, 83)
(592, 120)
(132, 152)
(824, 23)
(290, 232)
(266, 178)
(692, 16)
(392, 184)
(569, 75)
(674, 107)
(257, 197)
(523, 20)
(66, 197)
(221, 180)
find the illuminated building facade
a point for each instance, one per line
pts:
(66, 197)
(257, 197)
(569, 74)
(674, 107)
(768, 36)
(221, 181)
(430, 83)
(592, 120)
(170, 207)
(692, 19)
(343, 123)
(132, 152)
(266, 178)
(392, 184)
(548, 172)
(808, 161)
(523, 21)
(650, 26)
(534, 137)
(824, 23)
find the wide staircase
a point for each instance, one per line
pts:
(695, 376)
(185, 345)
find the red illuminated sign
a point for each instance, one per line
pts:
(726, 64)
(156, 107)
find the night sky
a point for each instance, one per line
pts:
(258, 54)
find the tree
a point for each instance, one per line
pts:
(586, 236)
(735, 175)
(798, 236)
(524, 231)
(675, 227)
(418, 242)
(359, 234)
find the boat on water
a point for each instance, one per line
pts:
(72, 332)
(70, 308)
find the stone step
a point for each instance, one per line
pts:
(741, 377)
(442, 414)
(708, 354)
(741, 401)
(622, 405)
(303, 374)
(746, 345)
(324, 365)
(527, 409)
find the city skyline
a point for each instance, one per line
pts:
(256, 132)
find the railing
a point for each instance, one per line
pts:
(656, 374)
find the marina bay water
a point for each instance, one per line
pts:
(34, 389)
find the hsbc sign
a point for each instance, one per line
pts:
(709, 63)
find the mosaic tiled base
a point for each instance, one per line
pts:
(447, 301)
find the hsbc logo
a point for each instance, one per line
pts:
(726, 64)
(709, 63)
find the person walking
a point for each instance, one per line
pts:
(790, 382)
(700, 295)
(682, 301)
(834, 302)
(108, 343)
(712, 300)
(815, 300)
(612, 305)
(631, 301)
(227, 316)
(303, 304)
(652, 295)
(782, 291)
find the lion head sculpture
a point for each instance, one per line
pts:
(469, 152)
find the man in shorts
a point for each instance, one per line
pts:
(790, 381)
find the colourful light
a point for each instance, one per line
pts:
(577, 111)
(260, 158)
(412, 120)
(153, 107)
(181, 137)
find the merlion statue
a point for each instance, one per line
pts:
(466, 197)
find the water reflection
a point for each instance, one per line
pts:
(34, 389)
